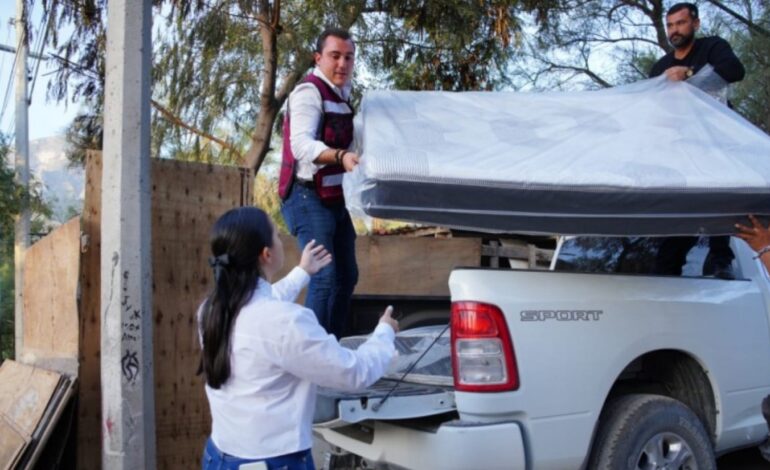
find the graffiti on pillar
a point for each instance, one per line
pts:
(130, 366)
(132, 317)
(132, 329)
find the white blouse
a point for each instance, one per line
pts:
(279, 354)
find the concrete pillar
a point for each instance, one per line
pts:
(128, 404)
(21, 239)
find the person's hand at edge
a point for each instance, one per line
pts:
(757, 236)
(350, 161)
(677, 73)
(387, 318)
(314, 258)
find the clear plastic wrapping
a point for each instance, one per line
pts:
(651, 158)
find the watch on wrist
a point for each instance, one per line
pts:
(763, 251)
(689, 72)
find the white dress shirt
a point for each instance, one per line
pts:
(279, 353)
(306, 108)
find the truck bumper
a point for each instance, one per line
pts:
(454, 445)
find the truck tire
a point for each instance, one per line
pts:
(643, 431)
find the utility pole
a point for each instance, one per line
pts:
(128, 404)
(21, 241)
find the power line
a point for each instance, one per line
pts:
(10, 78)
(46, 19)
(7, 39)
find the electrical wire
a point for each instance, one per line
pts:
(46, 20)
(7, 40)
(10, 80)
(23, 38)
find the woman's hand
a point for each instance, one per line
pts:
(387, 318)
(757, 236)
(314, 258)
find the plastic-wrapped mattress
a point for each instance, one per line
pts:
(651, 158)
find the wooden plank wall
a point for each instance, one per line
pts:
(186, 199)
(399, 265)
(394, 265)
(50, 300)
(89, 434)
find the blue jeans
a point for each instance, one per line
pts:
(215, 459)
(331, 288)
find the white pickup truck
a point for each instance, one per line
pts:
(591, 364)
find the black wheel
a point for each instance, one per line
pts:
(651, 432)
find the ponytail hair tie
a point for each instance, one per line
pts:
(218, 263)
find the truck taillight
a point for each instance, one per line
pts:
(482, 351)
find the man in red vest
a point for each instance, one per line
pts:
(317, 136)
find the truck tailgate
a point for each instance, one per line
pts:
(426, 389)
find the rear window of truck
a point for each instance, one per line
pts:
(627, 255)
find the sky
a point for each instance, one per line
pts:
(46, 118)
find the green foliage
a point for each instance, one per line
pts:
(211, 59)
(84, 134)
(593, 44)
(207, 72)
(11, 197)
(82, 64)
(266, 198)
(442, 45)
(10, 192)
(584, 44)
(6, 300)
(752, 95)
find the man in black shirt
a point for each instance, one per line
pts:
(687, 58)
(690, 54)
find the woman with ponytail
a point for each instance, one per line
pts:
(263, 355)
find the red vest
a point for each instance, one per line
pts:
(335, 129)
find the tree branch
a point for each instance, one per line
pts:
(268, 107)
(174, 119)
(751, 25)
(601, 40)
(584, 70)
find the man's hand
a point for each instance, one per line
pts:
(677, 73)
(349, 161)
(757, 236)
(314, 258)
(387, 318)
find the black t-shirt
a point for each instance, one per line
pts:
(711, 50)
